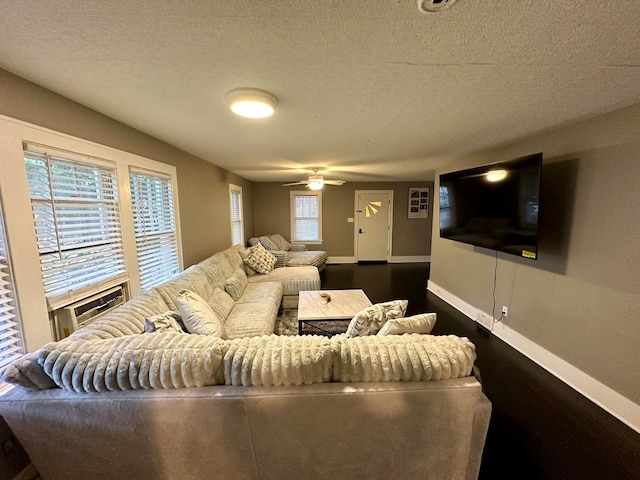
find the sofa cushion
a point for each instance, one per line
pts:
(252, 319)
(369, 320)
(221, 303)
(27, 373)
(278, 360)
(198, 316)
(268, 243)
(395, 358)
(169, 322)
(194, 278)
(244, 252)
(217, 269)
(127, 319)
(282, 258)
(293, 280)
(422, 323)
(133, 362)
(281, 242)
(236, 284)
(316, 258)
(260, 260)
(233, 255)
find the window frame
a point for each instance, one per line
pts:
(97, 200)
(236, 190)
(37, 326)
(167, 265)
(293, 219)
(12, 335)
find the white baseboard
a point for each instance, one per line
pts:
(341, 260)
(411, 259)
(617, 405)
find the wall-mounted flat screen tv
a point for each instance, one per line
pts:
(494, 206)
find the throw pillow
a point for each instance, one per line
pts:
(236, 284)
(268, 243)
(168, 321)
(260, 260)
(422, 323)
(221, 303)
(371, 319)
(198, 316)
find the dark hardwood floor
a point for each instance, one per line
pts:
(540, 427)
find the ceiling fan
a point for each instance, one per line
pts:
(315, 181)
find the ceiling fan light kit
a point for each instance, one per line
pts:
(251, 102)
(315, 181)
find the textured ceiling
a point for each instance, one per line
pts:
(369, 90)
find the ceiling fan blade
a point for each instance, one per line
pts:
(334, 182)
(303, 182)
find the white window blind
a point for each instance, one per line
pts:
(77, 224)
(155, 227)
(237, 230)
(11, 344)
(306, 217)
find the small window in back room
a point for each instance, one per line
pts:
(306, 217)
(237, 223)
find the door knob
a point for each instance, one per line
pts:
(359, 230)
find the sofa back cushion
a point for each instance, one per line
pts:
(157, 360)
(281, 242)
(268, 243)
(221, 303)
(217, 268)
(193, 278)
(127, 319)
(233, 255)
(278, 360)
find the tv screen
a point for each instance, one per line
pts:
(494, 206)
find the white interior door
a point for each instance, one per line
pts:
(373, 225)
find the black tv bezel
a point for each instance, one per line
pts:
(497, 165)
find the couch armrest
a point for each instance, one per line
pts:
(298, 247)
(282, 257)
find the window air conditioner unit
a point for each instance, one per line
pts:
(82, 313)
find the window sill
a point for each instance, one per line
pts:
(307, 242)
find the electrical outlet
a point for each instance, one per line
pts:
(505, 311)
(485, 320)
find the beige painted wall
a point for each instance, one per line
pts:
(411, 237)
(202, 187)
(581, 299)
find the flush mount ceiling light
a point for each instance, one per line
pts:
(434, 6)
(251, 102)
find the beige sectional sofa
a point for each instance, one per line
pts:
(290, 254)
(263, 406)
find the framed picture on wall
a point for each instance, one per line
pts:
(418, 202)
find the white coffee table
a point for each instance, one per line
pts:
(344, 305)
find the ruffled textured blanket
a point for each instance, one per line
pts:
(162, 360)
(402, 358)
(166, 360)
